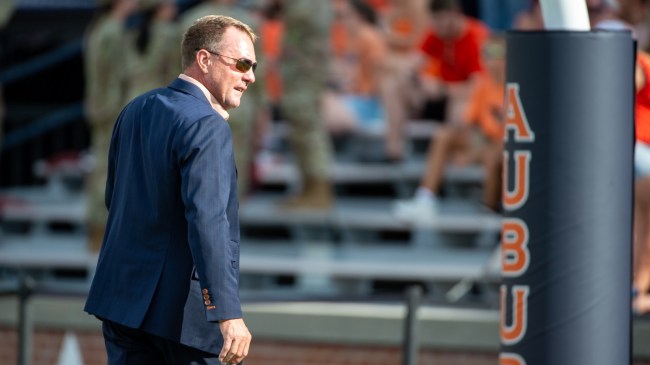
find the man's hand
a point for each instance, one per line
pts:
(236, 341)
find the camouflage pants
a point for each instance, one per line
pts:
(95, 185)
(310, 142)
(242, 123)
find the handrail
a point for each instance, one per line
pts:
(51, 121)
(41, 62)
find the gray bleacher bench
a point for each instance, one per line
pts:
(41, 209)
(284, 172)
(413, 129)
(459, 266)
(369, 213)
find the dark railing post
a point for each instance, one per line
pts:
(24, 319)
(411, 345)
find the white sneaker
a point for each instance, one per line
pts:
(416, 209)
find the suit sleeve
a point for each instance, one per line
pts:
(207, 169)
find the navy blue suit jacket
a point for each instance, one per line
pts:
(169, 264)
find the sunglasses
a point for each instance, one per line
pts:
(243, 64)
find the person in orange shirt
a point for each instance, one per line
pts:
(477, 138)
(271, 33)
(404, 23)
(453, 60)
(361, 73)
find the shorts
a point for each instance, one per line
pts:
(367, 110)
(641, 159)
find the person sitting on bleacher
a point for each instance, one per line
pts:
(477, 138)
(359, 70)
(450, 62)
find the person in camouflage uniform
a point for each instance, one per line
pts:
(6, 10)
(303, 66)
(106, 94)
(244, 119)
(152, 58)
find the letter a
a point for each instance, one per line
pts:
(515, 116)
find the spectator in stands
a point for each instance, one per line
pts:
(453, 47)
(152, 61)
(599, 11)
(642, 185)
(477, 138)
(529, 19)
(404, 23)
(362, 69)
(636, 13)
(271, 34)
(255, 111)
(500, 14)
(107, 85)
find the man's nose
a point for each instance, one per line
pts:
(249, 76)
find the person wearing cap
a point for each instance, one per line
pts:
(107, 84)
(166, 286)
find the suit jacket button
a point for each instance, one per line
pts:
(207, 302)
(206, 296)
(205, 291)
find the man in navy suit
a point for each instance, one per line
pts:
(167, 279)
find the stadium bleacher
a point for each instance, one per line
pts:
(345, 243)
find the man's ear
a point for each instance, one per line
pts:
(203, 60)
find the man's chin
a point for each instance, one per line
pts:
(234, 103)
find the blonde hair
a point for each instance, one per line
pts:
(207, 33)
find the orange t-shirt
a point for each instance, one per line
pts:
(642, 104)
(459, 58)
(271, 32)
(486, 107)
(338, 38)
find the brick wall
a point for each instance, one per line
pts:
(48, 342)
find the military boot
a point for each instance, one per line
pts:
(315, 194)
(95, 237)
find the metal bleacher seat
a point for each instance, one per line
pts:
(345, 242)
(284, 172)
